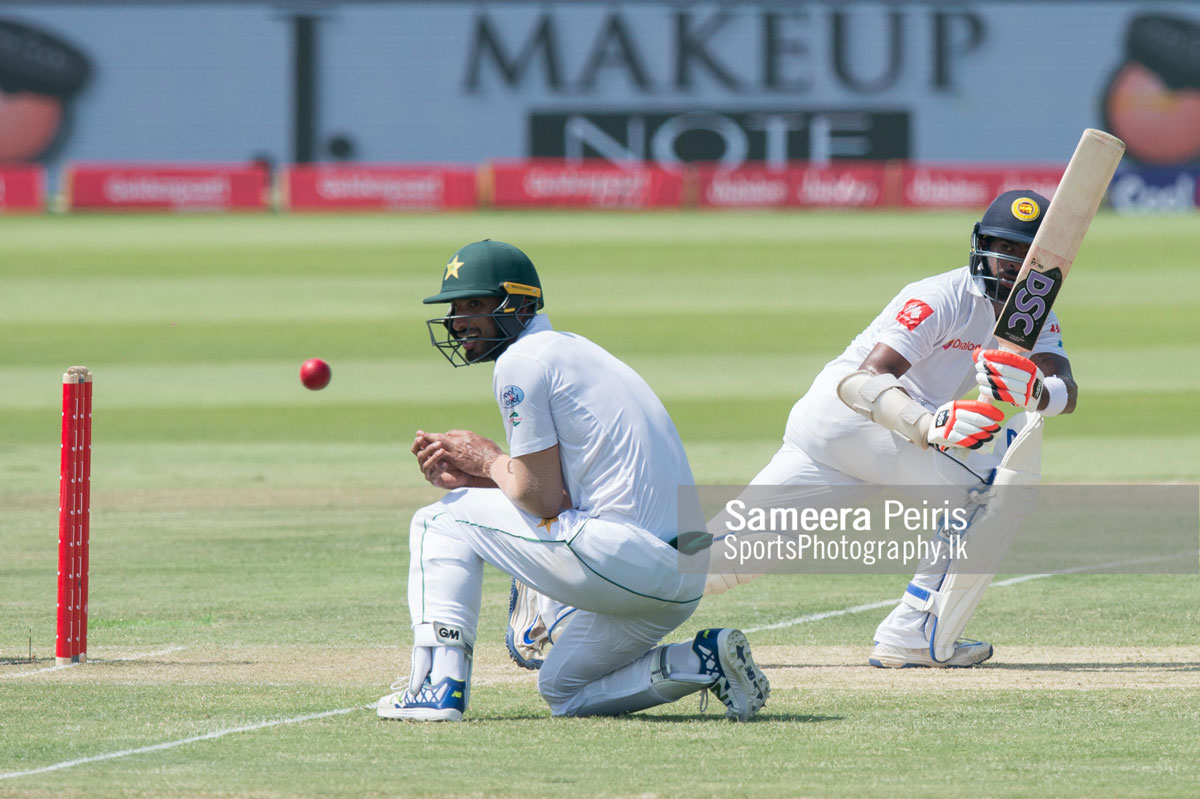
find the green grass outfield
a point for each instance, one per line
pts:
(249, 537)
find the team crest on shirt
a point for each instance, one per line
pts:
(913, 313)
(511, 395)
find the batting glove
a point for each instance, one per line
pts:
(964, 423)
(1008, 377)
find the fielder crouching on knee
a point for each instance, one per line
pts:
(582, 509)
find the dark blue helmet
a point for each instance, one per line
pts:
(1014, 215)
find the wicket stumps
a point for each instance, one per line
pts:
(74, 494)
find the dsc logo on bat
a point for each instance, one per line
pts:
(1026, 312)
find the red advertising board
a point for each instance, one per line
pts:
(336, 187)
(841, 185)
(22, 188)
(558, 184)
(934, 186)
(166, 187)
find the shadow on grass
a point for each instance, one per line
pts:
(691, 718)
(1141, 666)
(763, 717)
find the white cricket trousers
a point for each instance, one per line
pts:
(877, 457)
(624, 581)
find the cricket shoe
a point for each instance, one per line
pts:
(737, 682)
(966, 654)
(445, 701)
(527, 637)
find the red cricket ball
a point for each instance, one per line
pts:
(315, 374)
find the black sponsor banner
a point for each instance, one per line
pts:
(730, 137)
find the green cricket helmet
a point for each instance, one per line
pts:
(485, 269)
(1015, 216)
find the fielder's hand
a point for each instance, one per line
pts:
(964, 423)
(455, 459)
(1008, 377)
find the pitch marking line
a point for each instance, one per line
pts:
(48, 669)
(1024, 578)
(185, 741)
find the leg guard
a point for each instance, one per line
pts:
(442, 651)
(990, 532)
(431, 637)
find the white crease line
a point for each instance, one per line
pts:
(828, 614)
(1024, 578)
(62, 666)
(169, 650)
(184, 741)
(45, 670)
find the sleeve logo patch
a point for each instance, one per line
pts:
(913, 313)
(514, 419)
(511, 395)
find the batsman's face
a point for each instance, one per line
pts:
(1005, 268)
(472, 324)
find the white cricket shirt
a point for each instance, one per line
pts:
(936, 324)
(621, 454)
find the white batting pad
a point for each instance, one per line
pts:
(990, 534)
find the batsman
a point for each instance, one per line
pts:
(889, 411)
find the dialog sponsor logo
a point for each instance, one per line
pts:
(928, 188)
(824, 189)
(741, 190)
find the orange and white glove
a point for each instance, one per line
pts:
(1007, 377)
(964, 423)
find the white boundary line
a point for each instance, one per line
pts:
(62, 666)
(183, 741)
(1024, 578)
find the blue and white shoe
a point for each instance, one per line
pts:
(527, 637)
(966, 654)
(725, 654)
(445, 701)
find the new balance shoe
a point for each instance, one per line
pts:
(445, 701)
(966, 654)
(737, 681)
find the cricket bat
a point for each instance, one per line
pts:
(1057, 241)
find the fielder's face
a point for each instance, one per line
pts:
(471, 323)
(1005, 268)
